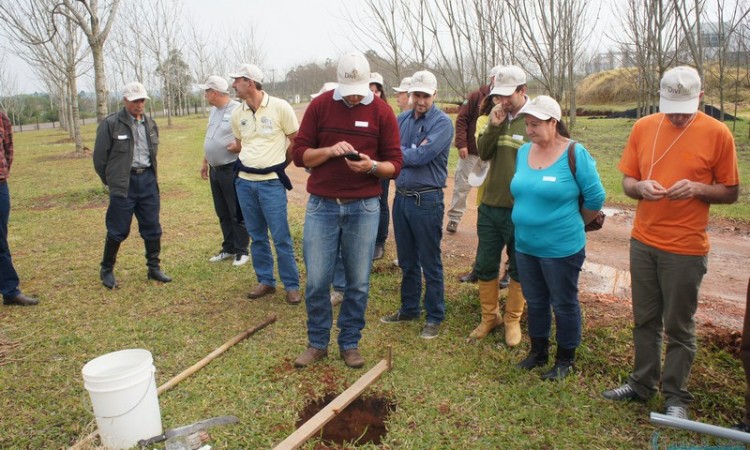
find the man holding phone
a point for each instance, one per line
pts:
(343, 210)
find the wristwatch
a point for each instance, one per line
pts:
(373, 168)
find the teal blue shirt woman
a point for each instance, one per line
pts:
(549, 231)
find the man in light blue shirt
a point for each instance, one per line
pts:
(426, 135)
(218, 167)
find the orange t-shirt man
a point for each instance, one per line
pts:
(703, 152)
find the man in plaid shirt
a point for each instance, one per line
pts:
(8, 276)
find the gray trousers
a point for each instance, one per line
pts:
(665, 298)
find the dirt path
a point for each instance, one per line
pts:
(605, 275)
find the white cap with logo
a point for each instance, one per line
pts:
(249, 71)
(353, 75)
(404, 86)
(680, 91)
(215, 83)
(543, 107)
(134, 91)
(507, 79)
(329, 86)
(423, 81)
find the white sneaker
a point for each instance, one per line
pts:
(240, 260)
(221, 256)
(678, 412)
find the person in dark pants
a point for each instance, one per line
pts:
(218, 167)
(125, 160)
(744, 425)
(376, 86)
(8, 277)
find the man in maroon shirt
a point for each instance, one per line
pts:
(8, 276)
(349, 142)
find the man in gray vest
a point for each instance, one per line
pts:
(218, 167)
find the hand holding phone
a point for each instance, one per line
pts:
(353, 156)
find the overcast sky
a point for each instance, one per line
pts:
(290, 32)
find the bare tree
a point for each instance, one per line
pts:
(729, 19)
(551, 38)
(54, 50)
(95, 20)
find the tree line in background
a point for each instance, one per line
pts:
(155, 42)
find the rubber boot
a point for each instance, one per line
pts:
(514, 304)
(488, 300)
(153, 249)
(563, 364)
(538, 355)
(106, 273)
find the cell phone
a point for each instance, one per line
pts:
(353, 156)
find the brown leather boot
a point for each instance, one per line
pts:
(488, 300)
(514, 304)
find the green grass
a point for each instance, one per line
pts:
(448, 394)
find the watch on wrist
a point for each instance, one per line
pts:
(373, 168)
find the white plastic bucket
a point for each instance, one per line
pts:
(122, 387)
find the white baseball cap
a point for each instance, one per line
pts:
(326, 87)
(353, 75)
(404, 86)
(376, 78)
(249, 71)
(215, 83)
(543, 107)
(423, 81)
(134, 91)
(680, 91)
(493, 71)
(507, 79)
(479, 173)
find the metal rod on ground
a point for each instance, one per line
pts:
(331, 410)
(194, 368)
(698, 427)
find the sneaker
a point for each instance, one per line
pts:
(379, 252)
(430, 331)
(396, 317)
(452, 226)
(678, 412)
(395, 263)
(240, 260)
(221, 256)
(337, 298)
(741, 427)
(309, 356)
(624, 392)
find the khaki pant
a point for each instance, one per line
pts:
(665, 298)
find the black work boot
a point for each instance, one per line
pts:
(563, 364)
(106, 273)
(153, 248)
(538, 355)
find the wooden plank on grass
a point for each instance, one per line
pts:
(331, 410)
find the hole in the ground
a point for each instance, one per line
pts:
(362, 422)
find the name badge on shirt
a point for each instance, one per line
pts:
(550, 179)
(517, 137)
(122, 137)
(361, 124)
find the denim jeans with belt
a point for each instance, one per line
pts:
(551, 284)
(8, 276)
(263, 205)
(330, 226)
(418, 226)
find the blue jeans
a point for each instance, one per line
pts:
(329, 228)
(8, 276)
(263, 205)
(552, 283)
(339, 276)
(418, 227)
